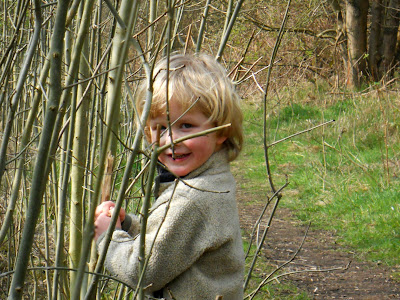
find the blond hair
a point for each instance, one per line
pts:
(202, 81)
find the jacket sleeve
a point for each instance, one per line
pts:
(131, 225)
(181, 234)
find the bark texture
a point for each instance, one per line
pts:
(356, 28)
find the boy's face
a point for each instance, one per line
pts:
(189, 154)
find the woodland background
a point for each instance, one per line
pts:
(69, 73)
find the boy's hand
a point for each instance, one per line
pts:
(107, 208)
(102, 218)
(102, 223)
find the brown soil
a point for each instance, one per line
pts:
(356, 279)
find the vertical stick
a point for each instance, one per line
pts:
(227, 33)
(39, 177)
(145, 214)
(202, 26)
(89, 226)
(107, 181)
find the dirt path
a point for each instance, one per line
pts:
(361, 280)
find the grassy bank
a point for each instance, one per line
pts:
(344, 176)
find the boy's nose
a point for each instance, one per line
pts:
(166, 137)
(176, 134)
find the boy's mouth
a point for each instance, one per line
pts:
(179, 156)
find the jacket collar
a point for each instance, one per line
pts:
(217, 163)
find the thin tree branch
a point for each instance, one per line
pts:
(20, 85)
(300, 132)
(271, 64)
(39, 176)
(228, 31)
(260, 245)
(202, 26)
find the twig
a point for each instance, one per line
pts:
(283, 265)
(327, 34)
(301, 271)
(22, 151)
(188, 38)
(202, 190)
(154, 240)
(261, 216)
(274, 52)
(268, 279)
(244, 55)
(106, 187)
(300, 132)
(249, 70)
(263, 237)
(68, 270)
(191, 136)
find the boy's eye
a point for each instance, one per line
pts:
(162, 128)
(186, 125)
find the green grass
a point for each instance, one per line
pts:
(344, 177)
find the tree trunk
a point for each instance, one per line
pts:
(390, 29)
(356, 26)
(340, 34)
(375, 39)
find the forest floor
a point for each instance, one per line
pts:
(353, 277)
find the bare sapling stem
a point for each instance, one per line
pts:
(271, 64)
(258, 222)
(145, 214)
(266, 280)
(228, 30)
(228, 15)
(202, 26)
(89, 226)
(63, 199)
(130, 163)
(150, 31)
(261, 243)
(39, 175)
(20, 86)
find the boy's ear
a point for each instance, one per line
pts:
(221, 140)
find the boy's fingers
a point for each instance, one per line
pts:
(107, 209)
(122, 214)
(104, 208)
(98, 211)
(110, 211)
(102, 223)
(107, 205)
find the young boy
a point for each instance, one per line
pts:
(198, 252)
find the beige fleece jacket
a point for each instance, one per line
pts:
(198, 252)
